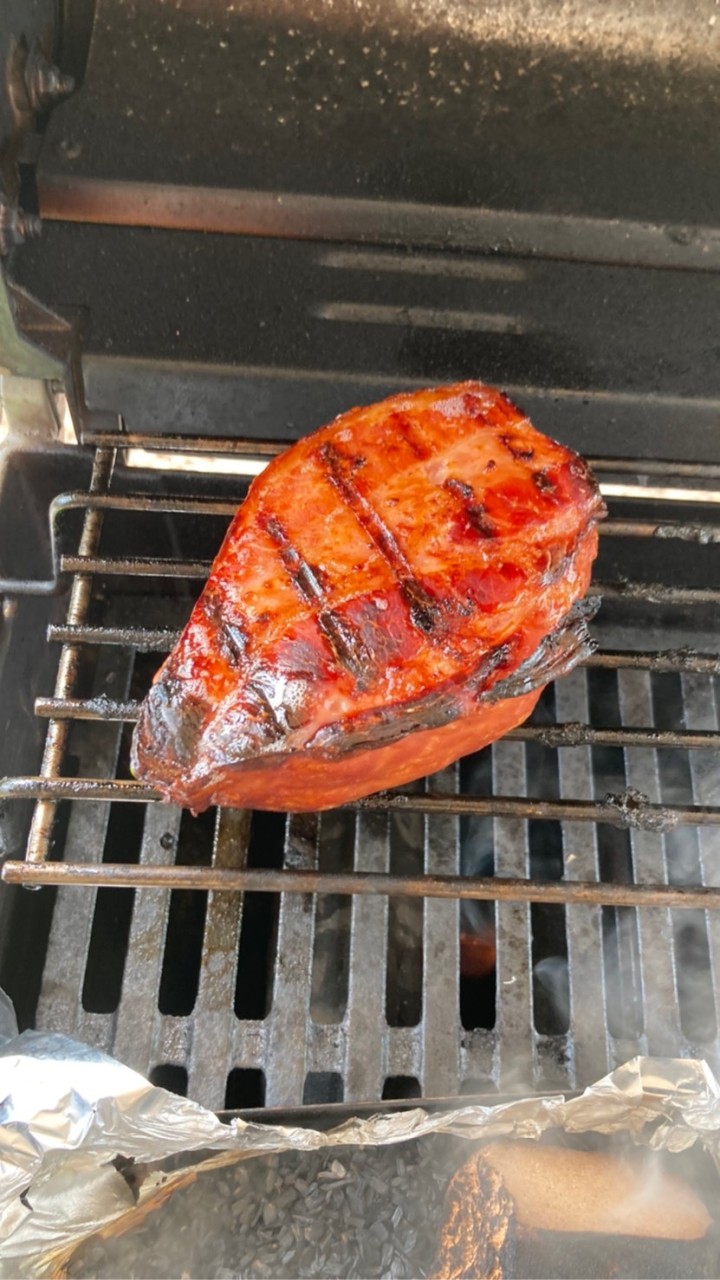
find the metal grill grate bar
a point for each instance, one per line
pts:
(656, 593)
(701, 712)
(135, 566)
(187, 444)
(365, 1021)
(155, 566)
(570, 733)
(144, 639)
(162, 640)
(60, 1003)
(57, 732)
(153, 504)
(683, 659)
(213, 1049)
(441, 950)
(290, 1010)
(271, 448)
(138, 1031)
(143, 502)
(625, 809)
(703, 534)
(592, 1055)
(515, 1026)
(501, 889)
(655, 935)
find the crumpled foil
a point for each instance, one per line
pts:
(67, 1111)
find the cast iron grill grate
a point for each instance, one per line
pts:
(319, 956)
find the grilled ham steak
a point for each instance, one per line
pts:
(393, 594)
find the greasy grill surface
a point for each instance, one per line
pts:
(281, 998)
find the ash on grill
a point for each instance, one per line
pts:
(369, 1211)
(429, 1207)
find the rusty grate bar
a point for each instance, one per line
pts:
(488, 889)
(156, 566)
(86, 709)
(662, 660)
(57, 732)
(271, 448)
(163, 639)
(144, 639)
(187, 444)
(700, 532)
(568, 734)
(135, 566)
(656, 593)
(142, 502)
(627, 809)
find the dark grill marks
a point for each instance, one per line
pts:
(521, 452)
(474, 511)
(234, 641)
(462, 487)
(232, 632)
(348, 647)
(385, 724)
(413, 435)
(543, 482)
(580, 470)
(424, 609)
(272, 722)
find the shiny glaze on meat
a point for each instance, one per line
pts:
(380, 577)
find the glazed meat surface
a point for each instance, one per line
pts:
(393, 593)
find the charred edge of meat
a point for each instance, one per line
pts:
(580, 470)
(566, 646)
(383, 725)
(473, 510)
(348, 648)
(425, 612)
(569, 644)
(478, 1236)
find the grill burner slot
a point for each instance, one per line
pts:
(246, 999)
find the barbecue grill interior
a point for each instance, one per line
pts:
(303, 210)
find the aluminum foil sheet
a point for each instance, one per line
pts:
(68, 1112)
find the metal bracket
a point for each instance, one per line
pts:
(58, 583)
(37, 343)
